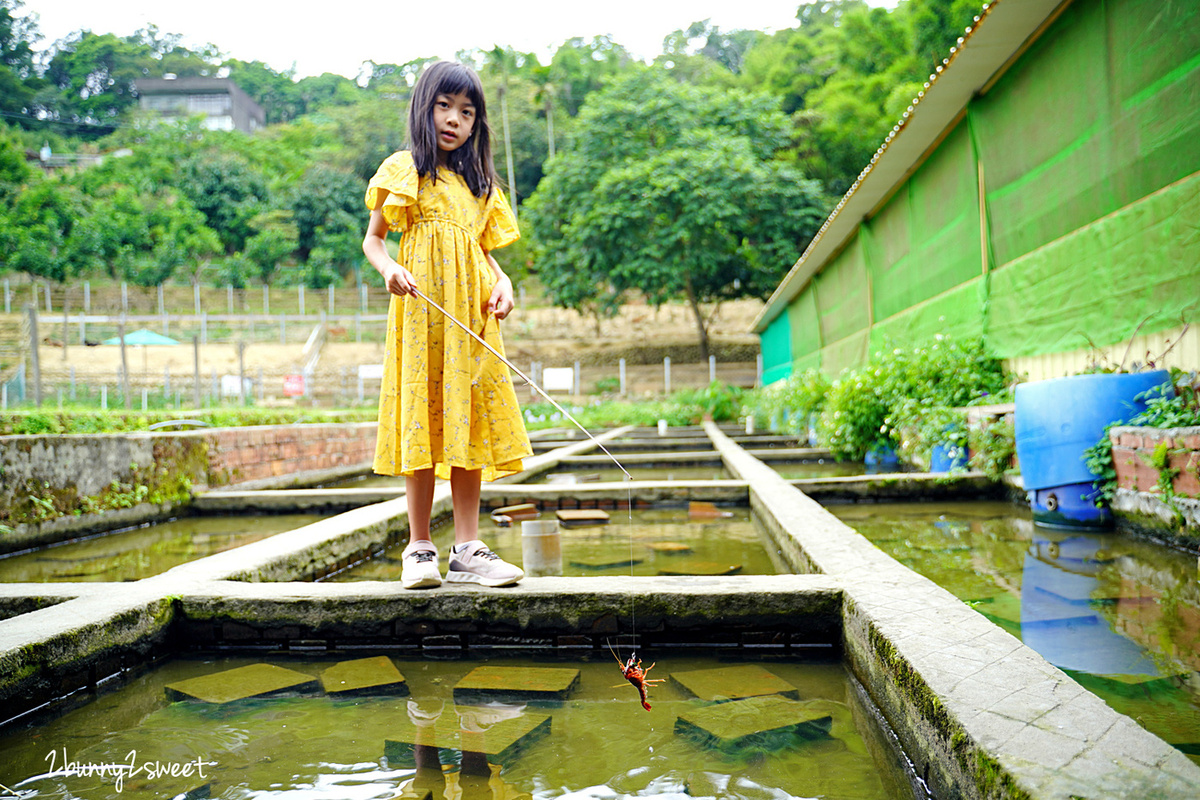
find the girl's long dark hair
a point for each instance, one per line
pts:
(474, 159)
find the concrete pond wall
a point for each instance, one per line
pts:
(978, 712)
(57, 487)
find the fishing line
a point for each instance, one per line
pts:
(529, 381)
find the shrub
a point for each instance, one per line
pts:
(912, 389)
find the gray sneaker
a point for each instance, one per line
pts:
(473, 562)
(420, 570)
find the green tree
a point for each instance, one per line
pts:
(95, 74)
(14, 172)
(19, 81)
(274, 241)
(671, 190)
(324, 203)
(228, 191)
(581, 67)
(275, 91)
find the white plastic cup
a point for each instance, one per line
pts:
(541, 548)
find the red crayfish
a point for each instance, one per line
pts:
(633, 672)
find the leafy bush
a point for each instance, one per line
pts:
(115, 421)
(913, 389)
(992, 448)
(854, 420)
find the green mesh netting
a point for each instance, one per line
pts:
(1090, 151)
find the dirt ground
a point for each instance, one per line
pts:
(549, 336)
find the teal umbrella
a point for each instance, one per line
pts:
(142, 336)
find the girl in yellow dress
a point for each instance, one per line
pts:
(447, 408)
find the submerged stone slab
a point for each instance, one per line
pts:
(255, 680)
(733, 683)
(759, 723)
(500, 742)
(702, 568)
(518, 683)
(669, 547)
(572, 517)
(377, 675)
(703, 509)
(603, 562)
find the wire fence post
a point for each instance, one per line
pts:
(666, 375)
(33, 354)
(712, 369)
(196, 370)
(300, 294)
(7, 298)
(87, 297)
(621, 371)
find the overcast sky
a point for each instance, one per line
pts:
(343, 35)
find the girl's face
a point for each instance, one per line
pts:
(453, 120)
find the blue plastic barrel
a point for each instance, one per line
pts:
(1057, 420)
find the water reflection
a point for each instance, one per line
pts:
(137, 553)
(1061, 598)
(598, 742)
(1120, 615)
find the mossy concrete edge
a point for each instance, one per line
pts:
(981, 714)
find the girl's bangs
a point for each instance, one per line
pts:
(460, 80)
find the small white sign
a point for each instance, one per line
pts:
(370, 372)
(558, 379)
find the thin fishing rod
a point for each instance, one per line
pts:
(523, 377)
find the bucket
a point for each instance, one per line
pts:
(541, 548)
(1056, 421)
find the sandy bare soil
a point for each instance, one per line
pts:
(548, 335)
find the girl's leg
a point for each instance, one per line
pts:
(419, 492)
(464, 491)
(420, 570)
(474, 564)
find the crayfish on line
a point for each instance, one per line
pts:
(633, 672)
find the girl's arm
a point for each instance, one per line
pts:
(501, 301)
(396, 278)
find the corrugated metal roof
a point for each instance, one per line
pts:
(1001, 32)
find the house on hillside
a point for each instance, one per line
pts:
(220, 101)
(1042, 192)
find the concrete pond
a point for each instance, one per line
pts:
(834, 669)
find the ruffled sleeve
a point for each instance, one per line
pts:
(393, 190)
(501, 226)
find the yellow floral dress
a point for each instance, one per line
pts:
(446, 401)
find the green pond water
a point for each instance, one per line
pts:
(600, 742)
(657, 472)
(1118, 614)
(817, 469)
(137, 553)
(656, 541)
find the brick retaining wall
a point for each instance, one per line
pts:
(57, 487)
(1134, 455)
(240, 455)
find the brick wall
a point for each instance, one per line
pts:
(1134, 452)
(239, 455)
